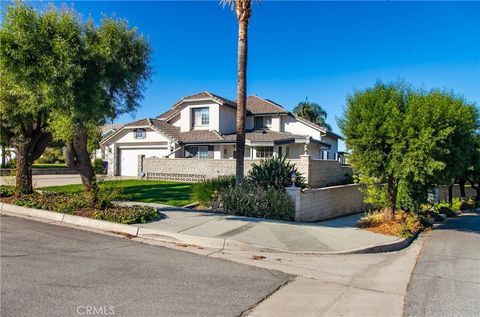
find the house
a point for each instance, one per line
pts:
(202, 126)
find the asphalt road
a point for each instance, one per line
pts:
(49, 270)
(446, 279)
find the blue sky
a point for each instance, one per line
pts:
(319, 50)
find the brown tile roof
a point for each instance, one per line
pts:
(258, 105)
(109, 127)
(265, 136)
(141, 122)
(200, 136)
(166, 129)
(168, 114)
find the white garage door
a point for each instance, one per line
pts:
(128, 159)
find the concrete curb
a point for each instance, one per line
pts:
(172, 237)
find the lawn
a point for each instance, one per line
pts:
(162, 192)
(50, 165)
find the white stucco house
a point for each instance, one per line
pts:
(202, 126)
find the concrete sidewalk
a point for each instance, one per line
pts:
(338, 235)
(45, 180)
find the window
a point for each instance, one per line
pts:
(139, 133)
(263, 122)
(264, 151)
(323, 155)
(201, 117)
(287, 152)
(201, 152)
(280, 152)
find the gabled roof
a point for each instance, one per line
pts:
(259, 105)
(167, 129)
(317, 127)
(204, 95)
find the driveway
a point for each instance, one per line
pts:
(45, 180)
(446, 279)
(49, 270)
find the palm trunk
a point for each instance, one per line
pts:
(77, 157)
(392, 198)
(241, 99)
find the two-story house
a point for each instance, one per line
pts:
(202, 126)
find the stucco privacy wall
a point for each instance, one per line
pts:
(325, 203)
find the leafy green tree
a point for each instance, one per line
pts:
(313, 112)
(115, 64)
(372, 125)
(36, 77)
(472, 174)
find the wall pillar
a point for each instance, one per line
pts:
(140, 165)
(304, 168)
(294, 193)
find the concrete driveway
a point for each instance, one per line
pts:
(49, 270)
(45, 180)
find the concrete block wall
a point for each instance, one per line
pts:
(192, 170)
(322, 173)
(326, 203)
(443, 192)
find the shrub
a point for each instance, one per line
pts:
(405, 224)
(447, 211)
(99, 167)
(257, 201)
(204, 192)
(456, 204)
(7, 191)
(107, 193)
(59, 202)
(128, 215)
(275, 172)
(12, 163)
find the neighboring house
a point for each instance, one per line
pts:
(106, 131)
(202, 126)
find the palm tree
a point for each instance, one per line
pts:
(243, 11)
(313, 112)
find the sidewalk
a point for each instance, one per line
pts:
(338, 235)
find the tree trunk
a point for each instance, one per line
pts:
(241, 99)
(77, 157)
(23, 170)
(461, 184)
(28, 151)
(392, 198)
(450, 194)
(4, 163)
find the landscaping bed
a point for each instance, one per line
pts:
(75, 204)
(407, 224)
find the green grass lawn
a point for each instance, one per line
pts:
(162, 192)
(50, 165)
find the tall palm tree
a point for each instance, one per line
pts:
(243, 10)
(313, 112)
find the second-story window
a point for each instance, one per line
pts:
(201, 117)
(139, 133)
(263, 122)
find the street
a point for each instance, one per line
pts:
(49, 270)
(446, 279)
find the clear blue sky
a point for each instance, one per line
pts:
(323, 50)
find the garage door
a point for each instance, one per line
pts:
(128, 159)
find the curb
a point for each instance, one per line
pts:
(172, 237)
